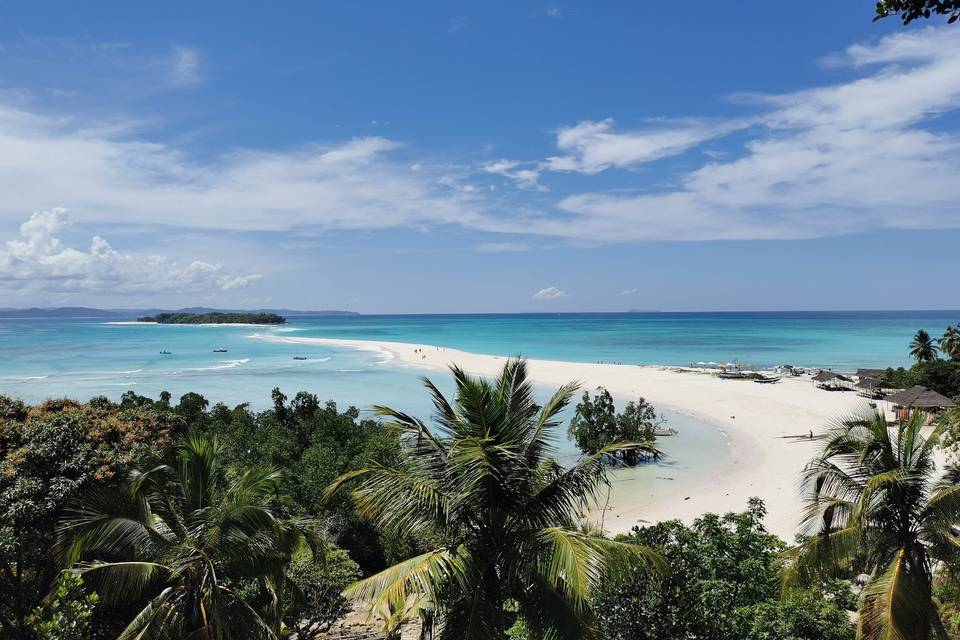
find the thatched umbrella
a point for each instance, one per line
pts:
(830, 379)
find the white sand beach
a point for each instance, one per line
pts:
(759, 421)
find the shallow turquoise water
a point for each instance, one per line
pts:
(81, 359)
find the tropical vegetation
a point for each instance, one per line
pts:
(724, 582)
(596, 425)
(482, 484)
(923, 348)
(950, 342)
(877, 506)
(214, 317)
(161, 518)
(910, 10)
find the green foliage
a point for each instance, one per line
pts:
(49, 455)
(174, 537)
(596, 425)
(314, 443)
(483, 485)
(950, 342)
(319, 586)
(66, 613)
(943, 376)
(923, 348)
(877, 506)
(723, 583)
(214, 317)
(805, 615)
(910, 10)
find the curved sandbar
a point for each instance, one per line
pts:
(757, 418)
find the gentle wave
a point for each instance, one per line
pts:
(227, 364)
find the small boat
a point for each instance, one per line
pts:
(166, 353)
(299, 357)
(767, 380)
(732, 375)
(219, 350)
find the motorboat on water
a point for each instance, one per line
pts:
(219, 350)
(166, 353)
(299, 357)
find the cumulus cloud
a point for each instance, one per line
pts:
(630, 292)
(550, 293)
(39, 261)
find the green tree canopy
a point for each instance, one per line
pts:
(723, 583)
(179, 539)
(910, 10)
(876, 505)
(596, 424)
(483, 484)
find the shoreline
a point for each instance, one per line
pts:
(762, 424)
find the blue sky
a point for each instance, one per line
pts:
(448, 157)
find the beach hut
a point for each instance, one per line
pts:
(870, 373)
(831, 381)
(918, 398)
(873, 388)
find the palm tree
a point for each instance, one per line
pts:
(950, 342)
(875, 506)
(184, 536)
(923, 348)
(483, 483)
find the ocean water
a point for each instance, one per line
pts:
(83, 358)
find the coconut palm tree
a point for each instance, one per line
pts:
(950, 342)
(190, 541)
(923, 348)
(876, 506)
(482, 482)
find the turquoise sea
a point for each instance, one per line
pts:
(83, 358)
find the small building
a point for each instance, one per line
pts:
(830, 381)
(918, 398)
(873, 388)
(870, 373)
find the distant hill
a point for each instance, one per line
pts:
(40, 313)
(58, 312)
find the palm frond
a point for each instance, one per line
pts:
(894, 606)
(423, 575)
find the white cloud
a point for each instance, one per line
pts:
(501, 247)
(106, 176)
(525, 178)
(833, 160)
(629, 292)
(593, 147)
(550, 293)
(39, 262)
(853, 156)
(184, 66)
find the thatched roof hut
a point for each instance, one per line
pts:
(870, 373)
(919, 397)
(916, 399)
(829, 376)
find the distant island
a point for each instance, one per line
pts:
(215, 317)
(87, 313)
